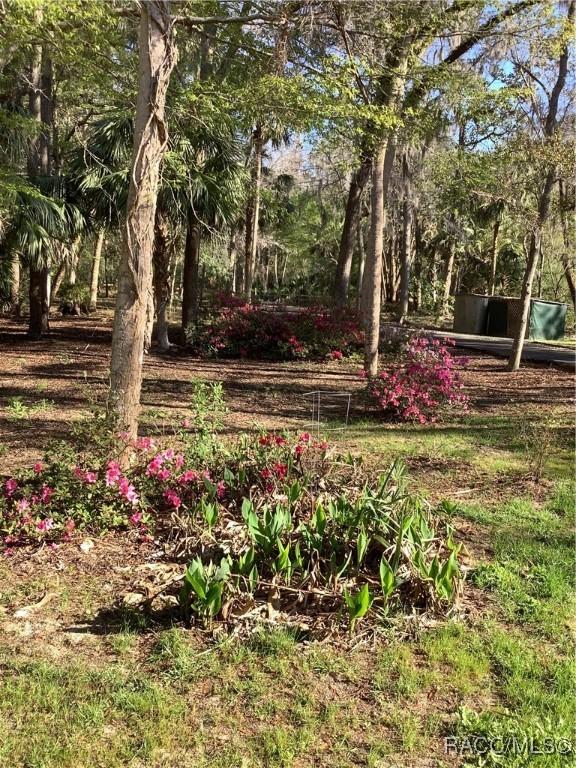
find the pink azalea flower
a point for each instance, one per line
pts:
(38, 467)
(113, 473)
(10, 486)
(336, 354)
(163, 474)
(136, 518)
(154, 466)
(189, 476)
(265, 473)
(69, 526)
(145, 444)
(280, 470)
(172, 498)
(45, 525)
(186, 423)
(22, 505)
(221, 489)
(127, 490)
(46, 494)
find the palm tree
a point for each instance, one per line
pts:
(201, 188)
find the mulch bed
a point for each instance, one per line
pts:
(59, 377)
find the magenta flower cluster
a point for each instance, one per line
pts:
(424, 381)
(254, 332)
(141, 485)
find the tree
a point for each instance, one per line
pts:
(549, 131)
(157, 56)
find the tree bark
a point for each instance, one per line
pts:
(157, 56)
(550, 126)
(190, 273)
(15, 285)
(494, 254)
(232, 258)
(448, 277)
(406, 242)
(372, 285)
(252, 214)
(58, 279)
(161, 264)
(39, 165)
(567, 264)
(361, 265)
(95, 273)
(350, 227)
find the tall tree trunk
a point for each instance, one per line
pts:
(157, 55)
(253, 214)
(161, 264)
(361, 265)
(540, 269)
(95, 273)
(448, 277)
(15, 285)
(418, 260)
(358, 184)
(239, 270)
(393, 269)
(232, 256)
(406, 242)
(543, 202)
(372, 285)
(190, 273)
(72, 253)
(59, 276)
(494, 254)
(276, 279)
(39, 165)
(566, 253)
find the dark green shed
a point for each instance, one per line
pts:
(547, 320)
(500, 315)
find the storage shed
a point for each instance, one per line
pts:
(470, 313)
(478, 314)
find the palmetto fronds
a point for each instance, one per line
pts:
(202, 170)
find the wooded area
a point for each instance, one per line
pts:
(351, 154)
(286, 470)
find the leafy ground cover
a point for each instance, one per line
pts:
(88, 679)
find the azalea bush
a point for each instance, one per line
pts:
(269, 512)
(424, 382)
(251, 331)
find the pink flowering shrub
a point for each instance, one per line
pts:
(140, 487)
(425, 381)
(253, 332)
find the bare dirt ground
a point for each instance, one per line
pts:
(59, 378)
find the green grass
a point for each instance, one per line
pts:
(165, 697)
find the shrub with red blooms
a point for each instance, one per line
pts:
(424, 382)
(99, 493)
(254, 332)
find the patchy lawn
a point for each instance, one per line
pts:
(87, 681)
